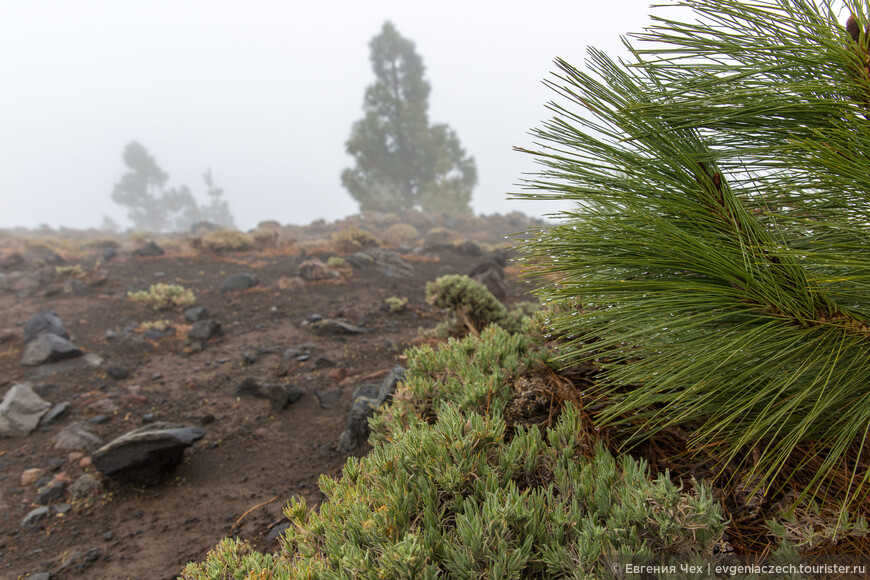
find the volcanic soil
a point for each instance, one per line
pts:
(253, 459)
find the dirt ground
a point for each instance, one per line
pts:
(252, 460)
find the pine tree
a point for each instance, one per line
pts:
(717, 260)
(401, 161)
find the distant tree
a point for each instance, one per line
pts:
(154, 208)
(401, 161)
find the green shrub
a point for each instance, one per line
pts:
(455, 499)
(226, 240)
(336, 262)
(476, 374)
(396, 304)
(473, 306)
(164, 296)
(400, 235)
(353, 240)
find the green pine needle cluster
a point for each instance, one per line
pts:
(720, 241)
(473, 306)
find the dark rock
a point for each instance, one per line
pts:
(470, 248)
(146, 455)
(117, 372)
(75, 287)
(369, 390)
(239, 282)
(148, 418)
(98, 419)
(54, 413)
(279, 395)
(335, 326)
(43, 323)
(49, 348)
(204, 330)
(273, 534)
(206, 419)
(33, 520)
(357, 430)
(130, 345)
(90, 360)
(382, 260)
(494, 282)
(195, 313)
(155, 334)
(322, 362)
(250, 358)
(328, 397)
(87, 484)
(109, 253)
(74, 437)
(389, 384)
(21, 411)
(149, 250)
(11, 260)
(51, 492)
(313, 318)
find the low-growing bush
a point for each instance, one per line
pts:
(400, 235)
(336, 262)
(473, 306)
(353, 240)
(396, 304)
(226, 240)
(164, 296)
(456, 499)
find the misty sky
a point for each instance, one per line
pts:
(264, 93)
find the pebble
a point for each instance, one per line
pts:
(34, 517)
(31, 475)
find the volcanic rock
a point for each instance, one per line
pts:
(149, 250)
(239, 282)
(49, 348)
(21, 411)
(43, 323)
(145, 456)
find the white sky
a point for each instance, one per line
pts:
(264, 93)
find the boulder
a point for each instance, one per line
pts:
(21, 411)
(279, 395)
(49, 348)
(384, 261)
(366, 400)
(204, 330)
(145, 456)
(150, 249)
(43, 323)
(239, 282)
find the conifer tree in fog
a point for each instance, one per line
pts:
(402, 161)
(153, 207)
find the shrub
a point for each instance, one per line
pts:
(336, 262)
(164, 296)
(396, 304)
(353, 240)
(456, 499)
(400, 235)
(473, 306)
(226, 240)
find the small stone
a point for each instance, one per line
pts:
(239, 282)
(21, 411)
(328, 397)
(54, 413)
(206, 419)
(85, 462)
(195, 313)
(31, 476)
(117, 372)
(49, 348)
(87, 484)
(204, 330)
(51, 493)
(98, 419)
(43, 323)
(149, 250)
(34, 518)
(61, 508)
(75, 437)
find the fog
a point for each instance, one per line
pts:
(264, 93)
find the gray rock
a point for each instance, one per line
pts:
(90, 360)
(357, 431)
(40, 576)
(109, 253)
(239, 282)
(145, 456)
(74, 437)
(328, 397)
(389, 384)
(33, 520)
(204, 330)
(21, 411)
(279, 395)
(87, 484)
(75, 287)
(382, 260)
(54, 413)
(49, 348)
(117, 372)
(51, 492)
(43, 323)
(335, 326)
(195, 313)
(494, 282)
(149, 249)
